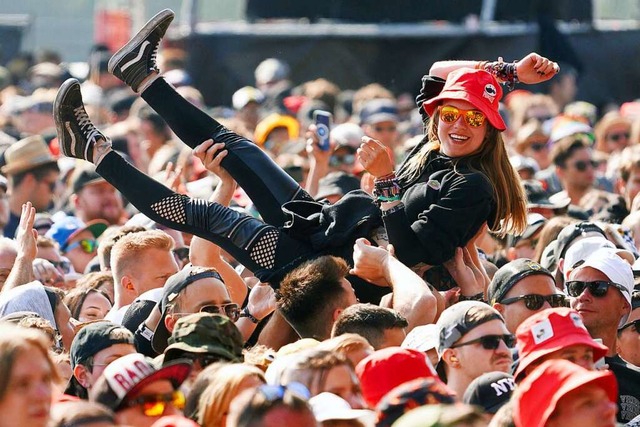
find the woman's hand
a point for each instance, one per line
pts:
(534, 68)
(374, 157)
(211, 155)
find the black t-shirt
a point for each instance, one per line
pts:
(628, 377)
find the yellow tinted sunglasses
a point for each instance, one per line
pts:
(154, 405)
(450, 114)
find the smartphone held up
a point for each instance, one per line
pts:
(322, 120)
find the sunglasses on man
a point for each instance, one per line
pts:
(231, 310)
(87, 245)
(491, 342)
(154, 405)
(635, 324)
(582, 165)
(597, 288)
(535, 302)
(539, 146)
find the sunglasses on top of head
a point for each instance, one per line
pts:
(450, 114)
(491, 342)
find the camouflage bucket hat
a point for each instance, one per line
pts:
(205, 333)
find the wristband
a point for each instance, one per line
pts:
(476, 297)
(145, 332)
(248, 315)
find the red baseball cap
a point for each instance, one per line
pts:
(551, 330)
(383, 370)
(475, 86)
(537, 396)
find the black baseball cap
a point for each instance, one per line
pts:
(89, 340)
(172, 288)
(572, 232)
(95, 337)
(84, 175)
(490, 391)
(510, 274)
(337, 183)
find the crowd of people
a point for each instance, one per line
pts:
(467, 259)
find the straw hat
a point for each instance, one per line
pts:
(28, 153)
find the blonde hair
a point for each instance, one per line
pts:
(125, 254)
(601, 129)
(345, 344)
(14, 341)
(493, 161)
(215, 399)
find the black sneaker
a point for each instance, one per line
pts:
(137, 59)
(76, 134)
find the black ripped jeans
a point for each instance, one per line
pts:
(258, 245)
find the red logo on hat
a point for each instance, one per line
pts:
(490, 92)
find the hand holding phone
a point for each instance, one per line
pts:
(323, 128)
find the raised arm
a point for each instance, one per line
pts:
(202, 251)
(531, 69)
(411, 296)
(26, 235)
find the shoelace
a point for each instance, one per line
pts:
(83, 120)
(153, 66)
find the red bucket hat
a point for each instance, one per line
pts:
(551, 330)
(389, 367)
(475, 86)
(537, 396)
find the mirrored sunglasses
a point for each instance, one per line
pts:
(535, 301)
(87, 245)
(155, 405)
(450, 114)
(491, 342)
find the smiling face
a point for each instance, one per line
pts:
(458, 139)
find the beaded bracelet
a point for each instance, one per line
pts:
(387, 188)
